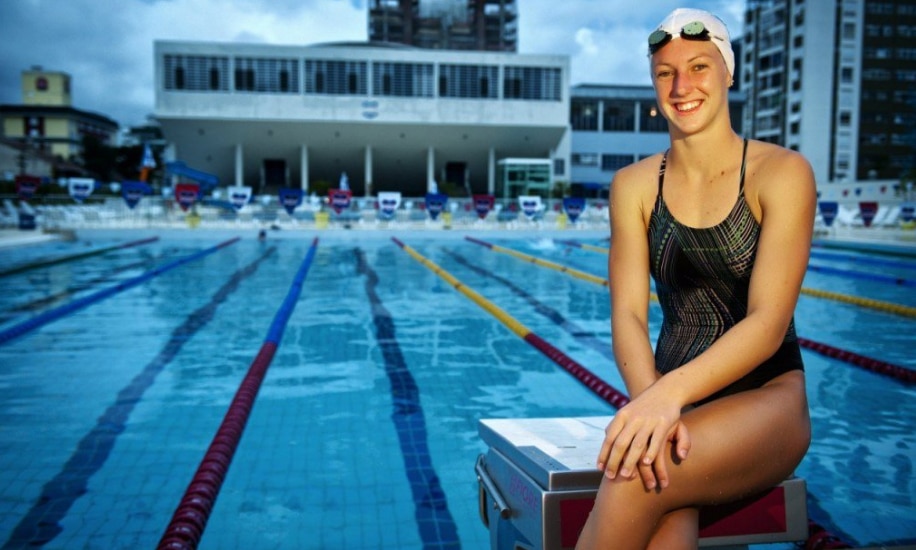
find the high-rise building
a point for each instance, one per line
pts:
(835, 80)
(483, 25)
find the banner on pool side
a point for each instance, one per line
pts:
(435, 204)
(187, 194)
(290, 199)
(239, 196)
(829, 210)
(339, 199)
(868, 209)
(574, 206)
(388, 203)
(531, 205)
(483, 204)
(906, 212)
(81, 188)
(26, 186)
(133, 191)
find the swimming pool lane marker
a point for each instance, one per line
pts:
(577, 332)
(887, 307)
(73, 257)
(41, 523)
(190, 518)
(874, 365)
(605, 391)
(58, 312)
(436, 525)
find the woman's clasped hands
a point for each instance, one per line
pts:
(636, 440)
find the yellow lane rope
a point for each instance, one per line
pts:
(898, 309)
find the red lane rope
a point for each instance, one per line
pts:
(602, 389)
(190, 518)
(881, 367)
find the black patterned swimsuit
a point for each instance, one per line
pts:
(702, 277)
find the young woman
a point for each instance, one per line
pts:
(723, 225)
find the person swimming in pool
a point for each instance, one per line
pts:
(723, 225)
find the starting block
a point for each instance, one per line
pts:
(537, 485)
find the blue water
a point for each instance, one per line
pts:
(364, 433)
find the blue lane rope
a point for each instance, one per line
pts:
(41, 523)
(899, 281)
(58, 312)
(863, 260)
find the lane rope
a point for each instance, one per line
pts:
(886, 307)
(190, 518)
(74, 257)
(53, 314)
(605, 391)
(874, 365)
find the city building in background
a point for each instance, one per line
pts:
(46, 121)
(392, 118)
(616, 125)
(835, 80)
(483, 25)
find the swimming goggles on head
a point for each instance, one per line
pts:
(691, 31)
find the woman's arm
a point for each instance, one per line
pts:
(628, 273)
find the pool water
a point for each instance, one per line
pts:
(364, 432)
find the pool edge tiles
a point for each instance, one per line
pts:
(437, 527)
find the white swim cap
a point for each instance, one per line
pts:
(693, 24)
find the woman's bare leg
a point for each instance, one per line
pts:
(677, 530)
(740, 445)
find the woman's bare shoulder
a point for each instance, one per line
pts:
(775, 161)
(639, 173)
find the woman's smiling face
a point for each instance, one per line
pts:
(691, 83)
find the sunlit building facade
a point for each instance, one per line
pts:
(393, 118)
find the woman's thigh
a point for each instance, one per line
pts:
(745, 442)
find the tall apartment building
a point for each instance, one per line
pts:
(483, 25)
(835, 80)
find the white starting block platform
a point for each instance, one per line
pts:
(537, 485)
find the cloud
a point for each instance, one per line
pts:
(107, 45)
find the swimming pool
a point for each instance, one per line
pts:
(364, 432)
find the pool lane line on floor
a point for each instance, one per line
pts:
(897, 372)
(574, 330)
(41, 523)
(605, 391)
(887, 307)
(190, 518)
(73, 257)
(58, 312)
(436, 525)
(50, 299)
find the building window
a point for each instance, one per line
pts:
(402, 79)
(532, 83)
(266, 75)
(584, 114)
(610, 163)
(846, 75)
(196, 73)
(584, 159)
(651, 119)
(335, 77)
(468, 81)
(619, 116)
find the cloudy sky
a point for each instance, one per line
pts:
(107, 45)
